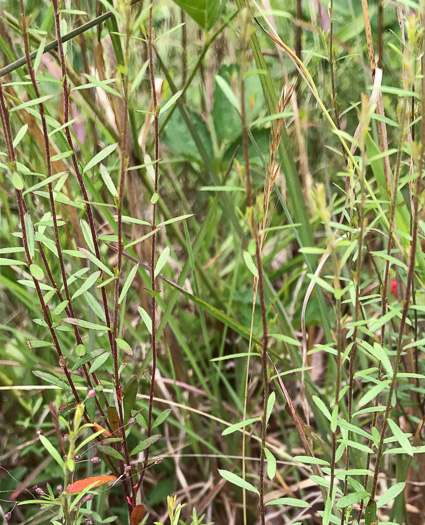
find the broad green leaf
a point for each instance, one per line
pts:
(238, 481)
(36, 272)
(17, 181)
(204, 12)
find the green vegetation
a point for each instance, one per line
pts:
(212, 270)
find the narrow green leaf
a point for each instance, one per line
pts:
(146, 443)
(110, 451)
(36, 272)
(228, 91)
(352, 498)
(20, 135)
(96, 261)
(271, 464)
(162, 261)
(146, 318)
(50, 378)
(124, 346)
(100, 156)
(127, 283)
(17, 181)
(109, 183)
(250, 263)
(98, 362)
(309, 460)
(52, 451)
(401, 437)
(85, 324)
(29, 227)
(32, 102)
(170, 102)
(161, 418)
(87, 284)
(238, 481)
(237, 426)
(290, 502)
(270, 404)
(45, 182)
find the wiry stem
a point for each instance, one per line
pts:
(150, 40)
(112, 341)
(254, 231)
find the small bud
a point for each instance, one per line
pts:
(66, 437)
(62, 362)
(95, 460)
(91, 393)
(132, 420)
(7, 516)
(88, 522)
(127, 468)
(59, 489)
(39, 432)
(77, 457)
(158, 461)
(40, 491)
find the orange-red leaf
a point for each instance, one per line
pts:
(137, 515)
(104, 431)
(82, 484)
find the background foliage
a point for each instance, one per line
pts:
(269, 369)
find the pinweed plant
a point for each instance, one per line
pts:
(212, 265)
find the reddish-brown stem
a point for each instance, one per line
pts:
(153, 247)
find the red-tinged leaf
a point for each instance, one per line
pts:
(104, 431)
(137, 515)
(119, 395)
(81, 484)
